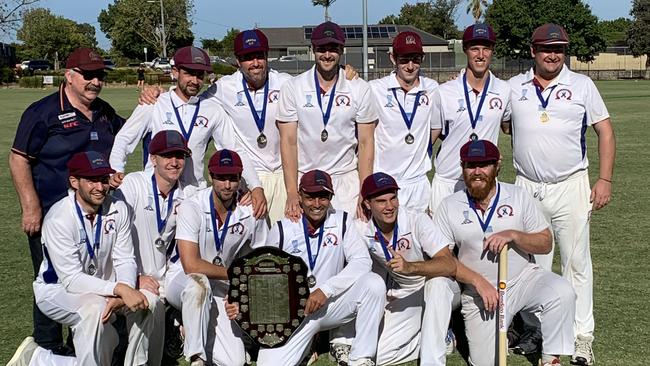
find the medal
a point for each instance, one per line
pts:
(261, 140)
(311, 281)
(382, 240)
(473, 137)
(324, 135)
(408, 119)
(90, 248)
(219, 238)
(409, 139)
(217, 261)
(260, 118)
(544, 117)
(160, 243)
(473, 119)
(160, 221)
(92, 269)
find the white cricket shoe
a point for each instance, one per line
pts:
(24, 353)
(584, 353)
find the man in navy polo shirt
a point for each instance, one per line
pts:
(50, 131)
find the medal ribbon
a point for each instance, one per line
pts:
(485, 225)
(543, 101)
(160, 221)
(98, 227)
(408, 121)
(260, 118)
(185, 133)
(473, 119)
(382, 240)
(326, 114)
(312, 260)
(219, 239)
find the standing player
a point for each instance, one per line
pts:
(211, 232)
(402, 138)
(50, 131)
(318, 114)
(480, 221)
(342, 286)
(468, 108)
(551, 110)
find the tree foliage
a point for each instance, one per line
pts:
(615, 30)
(43, 34)
(476, 8)
(132, 25)
(223, 47)
(638, 34)
(433, 16)
(326, 4)
(11, 13)
(515, 20)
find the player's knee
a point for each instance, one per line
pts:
(92, 310)
(197, 289)
(235, 356)
(373, 284)
(438, 287)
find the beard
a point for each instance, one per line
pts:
(479, 189)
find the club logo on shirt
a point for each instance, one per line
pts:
(295, 247)
(564, 94)
(523, 94)
(149, 206)
(201, 121)
(461, 105)
(371, 243)
(274, 96)
(330, 239)
(424, 99)
(308, 104)
(109, 226)
(240, 98)
(467, 220)
(342, 100)
(496, 103)
(389, 101)
(168, 121)
(403, 244)
(505, 210)
(237, 228)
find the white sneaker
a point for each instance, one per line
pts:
(341, 353)
(362, 362)
(197, 362)
(24, 353)
(584, 353)
(450, 341)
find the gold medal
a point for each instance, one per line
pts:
(544, 117)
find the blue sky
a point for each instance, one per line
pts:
(212, 18)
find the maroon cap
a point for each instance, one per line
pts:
(316, 181)
(326, 33)
(377, 183)
(86, 59)
(479, 32)
(407, 42)
(88, 164)
(550, 33)
(225, 162)
(192, 58)
(479, 151)
(251, 41)
(168, 141)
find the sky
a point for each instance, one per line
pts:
(213, 18)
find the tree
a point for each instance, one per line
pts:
(515, 20)
(11, 12)
(435, 17)
(326, 4)
(43, 34)
(615, 30)
(223, 47)
(638, 35)
(476, 8)
(132, 25)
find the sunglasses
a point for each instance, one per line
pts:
(405, 59)
(90, 75)
(252, 56)
(550, 49)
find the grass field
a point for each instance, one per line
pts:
(619, 233)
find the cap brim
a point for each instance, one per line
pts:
(200, 67)
(95, 173)
(550, 43)
(316, 189)
(251, 50)
(187, 152)
(328, 40)
(225, 170)
(91, 67)
(379, 191)
(479, 160)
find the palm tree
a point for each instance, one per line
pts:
(476, 8)
(326, 4)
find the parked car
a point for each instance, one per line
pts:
(109, 64)
(288, 58)
(162, 64)
(33, 65)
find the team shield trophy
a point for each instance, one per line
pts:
(271, 289)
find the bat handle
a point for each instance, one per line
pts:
(503, 284)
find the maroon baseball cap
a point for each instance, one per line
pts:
(168, 141)
(479, 32)
(86, 59)
(326, 33)
(225, 162)
(89, 164)
(550, 34)
(477, 151)
(407, 42)
(316, 181)
(251, 41)
(192, 58)
(377, 183)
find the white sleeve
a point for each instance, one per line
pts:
(424, 231)
(437, 117)
(273, 238)
(260, 232)
(534, 219)
(287, 110)
(366, 106)
(129, 136)
(188, 221)
(123, 253)
(358, 262)
(594, 104)
(508, 106)
(443, 233)
(127, 191)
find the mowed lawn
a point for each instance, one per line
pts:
(619, 233)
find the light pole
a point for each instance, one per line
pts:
(163, 37)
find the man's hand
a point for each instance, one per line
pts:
(232, 309)
(315, 301)
(292, 209)
(398, 264)
(601, 193)
(133, 299)
(362, 214)
(488, 294)
(116, 180)
(113, 304)
(259, 202)
(495, 242)
(245, 198)
(148, 283)
(150, 94)
(32, 216)
(350, 72)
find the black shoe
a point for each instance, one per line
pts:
(530, 342)
(173, 348)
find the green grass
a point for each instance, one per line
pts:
(619, 233)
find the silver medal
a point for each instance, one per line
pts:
(409, 139)
(311, 281)
(473, 137)
(261, 140)
(217, 261)
(324, 135)
(160, 243)
(92, 269)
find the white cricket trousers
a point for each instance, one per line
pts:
(441, 297)
(93, 340)
(363, 301)
(536, 291)
(566, 206)
(441, 188)
(275, 192)
(346, 192)
(208, 331)
(414, 195)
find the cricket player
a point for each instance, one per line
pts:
(470, 107)
(480, 221)
(402, 137)
(212, 230)
(551, 110)
(342, 287)
(89, 270)
(318, 113)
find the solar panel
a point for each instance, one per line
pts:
(374, 31)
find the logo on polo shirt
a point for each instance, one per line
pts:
(461, 105)
(564, 94)
(389, 103)
(109, 226)
(424, 99)
(274, 96)
(168, 121)
(240, 98)
(330, 239)
(523, 94)
(496, 103)
(403, 244)
(149, 206)
(295, 247)
(308, 104)
(343, 100)
(505, 210)
(201, 121)
(467, 220)
(238, 229)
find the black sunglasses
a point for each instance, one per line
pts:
(90, 75)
